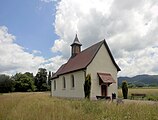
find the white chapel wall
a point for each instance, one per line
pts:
(102, 63)
(76, 92)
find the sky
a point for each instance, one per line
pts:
(38, 33)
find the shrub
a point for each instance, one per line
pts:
(124, 89)
(87, 86)
(152, 97)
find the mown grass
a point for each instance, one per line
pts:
(151, 93)
(40, 106)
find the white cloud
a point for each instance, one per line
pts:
(58, 45)
(130, 28)
(54, 63)
(140, 61)
(14, 58)
(5, 37)
(36, 52)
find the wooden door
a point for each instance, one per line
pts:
(104, 90)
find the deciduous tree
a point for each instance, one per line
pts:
(41, 80)
(6, 84)
(24, 82)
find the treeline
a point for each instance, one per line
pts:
(26, 82)
(140, 81)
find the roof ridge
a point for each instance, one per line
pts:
(93, 45)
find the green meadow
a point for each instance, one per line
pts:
(40, 106)
(151, 93)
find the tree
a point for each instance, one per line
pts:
(131, 85)
(87, 86)
(24, 82)
(125, 89)
(49, 78)
(41, 80)
(6, 84)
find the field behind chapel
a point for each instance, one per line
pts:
(40, 106)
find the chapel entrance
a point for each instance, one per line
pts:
(104, 90)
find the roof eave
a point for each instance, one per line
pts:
(112, 58)
(76, 44)
(68, 72)
(73, 71)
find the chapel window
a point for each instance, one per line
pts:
(72, 81)
(64, 83)
(54, 84)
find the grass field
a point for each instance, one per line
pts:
(151, 93)
(40, 106)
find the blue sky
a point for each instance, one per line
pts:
(38, 33)
(31, 21)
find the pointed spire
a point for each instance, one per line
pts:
(75, 47)
(76, 41)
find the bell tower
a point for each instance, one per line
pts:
(75, 47)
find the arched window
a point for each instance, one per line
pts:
(54, 84)
(72, 81)
(64, 83)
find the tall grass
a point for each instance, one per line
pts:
(40, 106)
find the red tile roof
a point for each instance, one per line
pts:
(83, 59)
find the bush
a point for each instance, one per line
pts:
(124, 89)
(87, 86)
(152, 98)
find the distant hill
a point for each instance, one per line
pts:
(140, 80)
